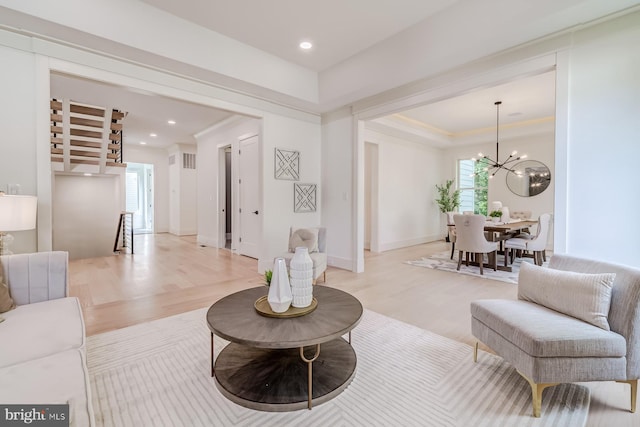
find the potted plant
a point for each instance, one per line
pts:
(448, 200)
(495, 215)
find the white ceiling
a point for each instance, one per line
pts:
(338, 29)
(522, 100)
(528, 107)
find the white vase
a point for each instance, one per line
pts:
(301, 270)
(506, 215)
(280, 296)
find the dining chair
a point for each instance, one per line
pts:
(470, 239)
(537, 245)
(451, 228)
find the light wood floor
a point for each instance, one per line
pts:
(170, 275)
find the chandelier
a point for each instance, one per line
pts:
(492, 167)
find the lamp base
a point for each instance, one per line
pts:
(5, 241)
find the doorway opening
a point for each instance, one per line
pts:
(226, 212)
(139, 196)
(371, 197)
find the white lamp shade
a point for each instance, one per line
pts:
(17, 212)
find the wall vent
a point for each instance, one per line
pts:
(188, 161)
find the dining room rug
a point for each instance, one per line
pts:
(158, 373)
(442, 261)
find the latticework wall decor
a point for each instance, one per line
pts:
(287, 164)
(304, 197)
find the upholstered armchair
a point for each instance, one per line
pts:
(576, 321)
(471, 240)
(315, 239)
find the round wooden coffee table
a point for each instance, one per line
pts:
(269, 363)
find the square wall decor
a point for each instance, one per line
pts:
(304, 197)
(287, 164)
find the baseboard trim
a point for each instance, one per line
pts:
(343, 263)
(207, 241)
(409, 242)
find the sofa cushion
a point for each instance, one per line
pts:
(584, 296)
(542, 332)
(57, 379)
(37, 330)
(305, 237)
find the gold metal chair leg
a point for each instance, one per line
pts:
(536, 393)
(634, 392)
(475, 353)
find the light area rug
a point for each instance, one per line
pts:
(158, 374)
(442, 261)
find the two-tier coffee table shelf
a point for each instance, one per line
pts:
(284, 364)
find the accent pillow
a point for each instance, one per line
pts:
(584, 296)
(6, 302)
(307, 237)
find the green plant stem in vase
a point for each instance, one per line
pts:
(267, 277)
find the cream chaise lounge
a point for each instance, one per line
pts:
(583, 327)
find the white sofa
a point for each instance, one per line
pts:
(42, 341)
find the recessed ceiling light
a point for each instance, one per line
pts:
(306, 45)
(153, 135)
(171, 122)
(143, 143)
(517, 113)
(88, 174)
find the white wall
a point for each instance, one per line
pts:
(208, 197)
(337, 189)
(277, 195)
(603, 150)
(407, 175)
(17, 148)
(303, 136)
(86, 211)
(159, 158)
(183, 199)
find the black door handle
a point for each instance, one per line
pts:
(255, 212)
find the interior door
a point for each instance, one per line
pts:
(249, 196)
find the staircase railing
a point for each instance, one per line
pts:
(124, 234)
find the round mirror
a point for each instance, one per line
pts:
(528, 178)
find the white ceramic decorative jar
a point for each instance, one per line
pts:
(279, 296)
(301, 271)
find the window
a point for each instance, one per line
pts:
(473, 188)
